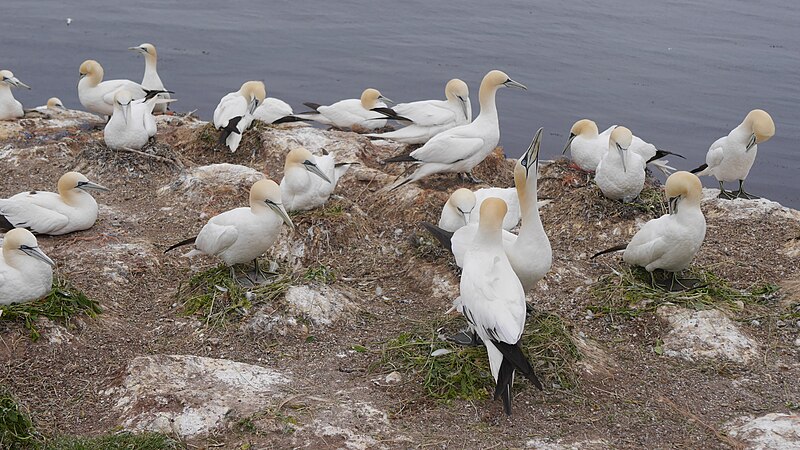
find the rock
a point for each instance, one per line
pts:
(191, 395)
(541, 444)
(705, 334)
(744, 209)
(772, 431)
(323, 305)
(200, 179)
(393, 378)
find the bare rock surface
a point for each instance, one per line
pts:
(769, 432)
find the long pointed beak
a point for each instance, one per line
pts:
(278, 209)
(673, 204)
(37, 253)
(386, 100)
(622, 155)
(464, 107)
(93, 186)
(512, 83)
(136, 49)
(15, 81)
(569, 142)
(466, 216)
(126, 110)
(751, 143)
(313, 168)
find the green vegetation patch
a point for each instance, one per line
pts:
(16, 428)
(60, 305)
(116, 441)
(320, 273)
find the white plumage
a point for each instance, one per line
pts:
(457, 210)
(151, 80)
(354, 112)
(26, 273)
(620, 173)
(308, 180)
(272, 109)
(586, 145)
(234, 113)
(97, 95)
(10, 108)
(132, 124)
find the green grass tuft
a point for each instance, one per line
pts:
(60, 305)
(320, 274)
(217, 298)
(16, 428)
(116, 441)
(651, 200)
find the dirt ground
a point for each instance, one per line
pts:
(628, 395)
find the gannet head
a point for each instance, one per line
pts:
(584, 127)
(7, 78)
(92, 70)
(22, 240)
(54, 103)
(123, 98)
(499, 78)
(74, 180)
(683, 185)
(761, 125)
(146, 49)
(267, 192)
(462, 200)
(493, 210)
(620, 140)
(371, 96)
(254, 92)
(529, 160)
(457, 90)
(300, 157)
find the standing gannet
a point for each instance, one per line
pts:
(234, 113)
(308, 180)
(26, 273)
(272, 109)
(462, 148)
(493, 302)
(10, 108)
(132, 124)
(670, 242)
(620, 173)
(151, 80)
(730, 157)
(350, 113)
(241, 235)
(72, 209)
(427, 118)
(97, 95)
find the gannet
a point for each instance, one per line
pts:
(151, 80)
(308, 180)
(585, 144)
(457, 210)
(350, 113)
(72, 209)
(462, 148)
(427, 118)
(234, 113)
(241, 235)
(26, 273)
(620, 173)
(493, 302)
(97, 95)
(272, 109)
(730, 157)
(10, 108)
(670, 242)
(53, 104)
(132, 124)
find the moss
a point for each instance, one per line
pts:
(320, 273)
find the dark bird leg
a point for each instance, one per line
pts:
(466, 338)
(728, 195)
(472, 177)
(742, 194)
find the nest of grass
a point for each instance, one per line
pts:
(153, 156)
(60, 305)
(204, 147)
(463, 372)
(16, 427)
(628, 293)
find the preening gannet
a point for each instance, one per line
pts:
(493, 302)
(72, 209)
(462, 148)
(350, 113)
(151, 80)
(241, 235)
(234, 113)
(10, 108)
(731, 157)
(457, 210)
(670, 242)
(427, 118)
(620, 173)
(308, 180)
(26, 273)
(132, 124)
(97, 95)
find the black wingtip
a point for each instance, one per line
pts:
(699, 169)
(150, 93)
(503, 389)
(346, 164)
(230, 128)
(5, 225)
(397, 159)
(514, 354)
(181, 243)
(289, 119)
(313, 106)
(662, 153)
(391, 114)
(615, 248)
(443, 236)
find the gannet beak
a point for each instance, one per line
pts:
(15, 81)
(253, 105)
(464, 106)
(569, 142)
(622, 155)
(751, 143)
(137, 49)
(37, 253)
(673, 204)
(126, 111)
(91, 186)
(385, 99)
(466, 216)
(531, 156)
(278, 209)
(511, 83)
(313, 168)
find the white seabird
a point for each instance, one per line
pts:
(457, 210)
(272, 109)
(132, 124)
(670, 242)
(350, 113)
(462, 148)
(151, 80)
(308, 180)
(53, 104)
(427, 118)
(71, 209)
(493, 302)
(234, 113)
(241, 235)
(620, 173)
(10, 108)
(730, 157)
(26, 273)
(97, 95)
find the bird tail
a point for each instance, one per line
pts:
(699, 170)
(662, 153)
(150, 93)
(513, 353)
(181, 243)
(314, 107)
(391, 114)
(443, 236)
(505, 379)
(615, 248)
(289, 119)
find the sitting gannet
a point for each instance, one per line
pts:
(670, 242)
(132, 124)
(241, 235)
(300, 189)
(26, 273)
(151, 80)
(463, 206)
(427, 118)
(53, 104)
(462, 148)
(353, 112)
(234, 113)
(730, 157)
(493, 302)
(10, 108)
(620, 173)
(97, 95)
(72, 209)
(273, 109)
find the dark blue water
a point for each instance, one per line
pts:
(680, 74)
